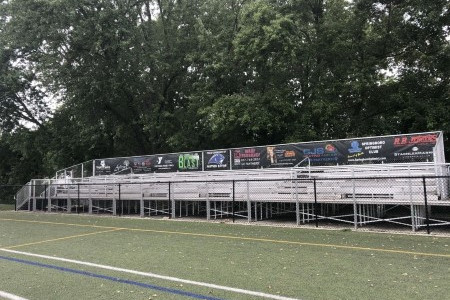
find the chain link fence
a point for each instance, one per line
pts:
(417, 202)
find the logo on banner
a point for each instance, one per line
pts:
(124, 166)
(355, 148)
(160, 158)
(416, 140)
(188, 161)
(330, 148)
(216, 159)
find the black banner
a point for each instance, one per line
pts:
(113, 166)
(217, 160)
(372, 150)
(249, 158)
(321, 154)
(281, 156)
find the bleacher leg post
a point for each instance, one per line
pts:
(141, 202)
(90, 200)
(49, 201)
(297, 204)
(120, 201)
(249, 203)
(78, 198)
(426, 204)
(34, 196)
(114, 204)
(208, 203)
(315, 203)
(172, 203)
(234, 196)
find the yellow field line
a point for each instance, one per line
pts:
(239, 238)
(60, 239)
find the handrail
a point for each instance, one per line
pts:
(309, 165)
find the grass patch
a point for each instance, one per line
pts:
(6, 207)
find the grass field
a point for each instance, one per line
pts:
(279, 262)
(6, 206)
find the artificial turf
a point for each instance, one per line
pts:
(293, 262)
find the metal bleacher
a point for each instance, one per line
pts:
(381, 183)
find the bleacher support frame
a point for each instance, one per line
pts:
(308, 195)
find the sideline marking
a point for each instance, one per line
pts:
(61, 238)
(147, 274)
(239, 238)
(10, 296)
(115, 279)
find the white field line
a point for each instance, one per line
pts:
(6, 295)
(146, 274)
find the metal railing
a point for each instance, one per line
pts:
(356, 200)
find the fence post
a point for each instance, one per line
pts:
(120, 201)
(49, 205)
(427, 219)
(78, 197)
(172, 206)
(34, 195)
(315, 203)
(234, 198)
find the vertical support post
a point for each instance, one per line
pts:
(90, 200)
(49, 205)
(34, 195)
(249, 204)
(120, 201)
(172, 202)
(426, 204)
(30, 192)
(234, 199)
(114, 201)
(208, 203)
(413, 221)
(315, 203)
(141, 202)
(355, 207)
(78, 197)
(297, 203)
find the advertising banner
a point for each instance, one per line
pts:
(321, 153)
(110, 166)
(281, 156)
(191, 161)
(141, 164)
(391, 149)
(371, 150)
(249, 158)
(164, 163)
(217, 160)
(414, 148)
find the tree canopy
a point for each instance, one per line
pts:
(132, 77)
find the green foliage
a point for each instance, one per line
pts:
(143, 77)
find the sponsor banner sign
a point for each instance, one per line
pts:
(392, 149)
(142, 164)
(164, 163)
(217, 160)
(191, 161)
(414, 148)
(110, 166)
(281, 156)
(249, 158)
(389, 149)
(321, 154)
